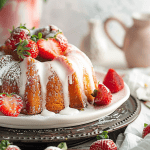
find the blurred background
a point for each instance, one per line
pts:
(74, 17)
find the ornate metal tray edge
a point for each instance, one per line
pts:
(120, 118)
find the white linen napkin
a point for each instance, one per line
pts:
(138, 80)
(132, 139)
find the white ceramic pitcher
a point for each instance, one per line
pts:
(136, 41)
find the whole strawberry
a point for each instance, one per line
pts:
(10, 104)
(26, 48)
(113, 81)
(146, 130)
(103, 144)
(5, 145)
(102, 95)
(19, 33)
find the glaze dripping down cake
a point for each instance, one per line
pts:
(66, 81)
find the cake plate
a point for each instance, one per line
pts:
(120, 118)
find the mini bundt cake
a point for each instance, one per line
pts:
(66, 81)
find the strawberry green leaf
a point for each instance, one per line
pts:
(3, 93)
(33, 39)
(22, 56)
(13, 93)
(4, 144)
(22, 26)
(2, 3)
(34, 36)
(39, 35)
(26, 48)
(28, 53)
(9, 31)
(104, 135)
(145, 125)
(24, 43)
(62, 146)
(33, 28)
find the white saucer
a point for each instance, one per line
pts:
(57, 120)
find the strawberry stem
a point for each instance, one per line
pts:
(22, 49)
(94, 94)
(104, 135)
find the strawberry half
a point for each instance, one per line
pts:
(146, 130)
(62, 40)
(10, 104)
(113, 81)
(52, 47)
(102, 95)
(103, 143)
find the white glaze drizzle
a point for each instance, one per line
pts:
(69, 111)
(23, 77)
(45, 69)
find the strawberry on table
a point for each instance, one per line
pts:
(113, 81)
(103, 144)
(102, 95)
(146, 130)
(52, 47)
(10, 104)
(5, 145)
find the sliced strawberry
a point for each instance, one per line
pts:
(102, 96)
(10, 104)
(63, 42)
(55, 45)
(146, 130)
(49, 48)
(113, 81)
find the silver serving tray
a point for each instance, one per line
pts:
(120, 118)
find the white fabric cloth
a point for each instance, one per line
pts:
(132, 139)
(138, 80)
